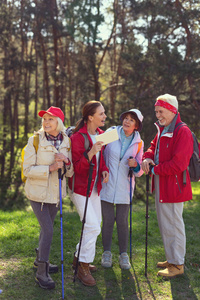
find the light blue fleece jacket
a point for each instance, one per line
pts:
(117, 190)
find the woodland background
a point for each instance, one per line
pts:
(123, 53)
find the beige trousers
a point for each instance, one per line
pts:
(172, 228)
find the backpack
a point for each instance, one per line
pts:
(69, 132)
(35, 144)
(194, 164)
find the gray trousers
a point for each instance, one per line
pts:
(172, 228)
(108, 214)
(45, 218)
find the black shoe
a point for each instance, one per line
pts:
(52, 268)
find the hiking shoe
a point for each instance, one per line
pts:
(172, 271)
(163, 264)
(91, 267)
(84, 274)
(106, 260)
(42, 278)
(124, 261)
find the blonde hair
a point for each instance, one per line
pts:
(60, 126)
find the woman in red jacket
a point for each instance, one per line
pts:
(93, 117)
(170, 153)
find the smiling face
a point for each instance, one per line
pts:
(50, 124)
(129, 124)
(99, 117)
(164, 115)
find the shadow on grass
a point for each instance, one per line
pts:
(177, 290)
(137, 281)
(111, 283)
(128, 283)
(138, 286)
(85, 292)
(127, 289)
(151, 290)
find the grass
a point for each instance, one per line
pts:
(19, 231)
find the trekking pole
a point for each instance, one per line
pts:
(84, 217)
(61, 229)
(130, 174)
(147, 216)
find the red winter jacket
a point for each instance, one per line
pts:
(81, 165)
(175, 151)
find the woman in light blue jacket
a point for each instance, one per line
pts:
(117, 191)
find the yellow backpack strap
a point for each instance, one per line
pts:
(36, 142)
(68, 149)
(139, 147)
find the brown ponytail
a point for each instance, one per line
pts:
(89, 109)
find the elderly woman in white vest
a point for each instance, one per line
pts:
(116, 193)
(42, 184)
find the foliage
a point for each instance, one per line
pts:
(19, 236)
(56, 53)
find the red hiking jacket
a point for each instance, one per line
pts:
(81, 165)
(175, 152)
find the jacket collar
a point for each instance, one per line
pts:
(136, 139)
(44, 140)
(84, 129)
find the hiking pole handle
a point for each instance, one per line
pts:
(59, 173)
(130, 173)
(90, 178)
(147, 177)
(147, 182)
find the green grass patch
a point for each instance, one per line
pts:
(19, 232)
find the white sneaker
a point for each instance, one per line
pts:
(124, 261)
(106, 260)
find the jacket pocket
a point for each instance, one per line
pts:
(178, 184)
(36, 189)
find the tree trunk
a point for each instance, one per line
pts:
(53, 14)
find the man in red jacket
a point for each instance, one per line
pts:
(169, 154)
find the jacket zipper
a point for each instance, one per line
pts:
(117, 179)
(178, 184)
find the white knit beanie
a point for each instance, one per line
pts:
(166, 99)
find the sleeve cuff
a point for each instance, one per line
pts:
(152, 171)
(136, 169)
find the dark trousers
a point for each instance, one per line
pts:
(109, 218)
(45, 218)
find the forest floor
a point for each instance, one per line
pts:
(19, 232)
